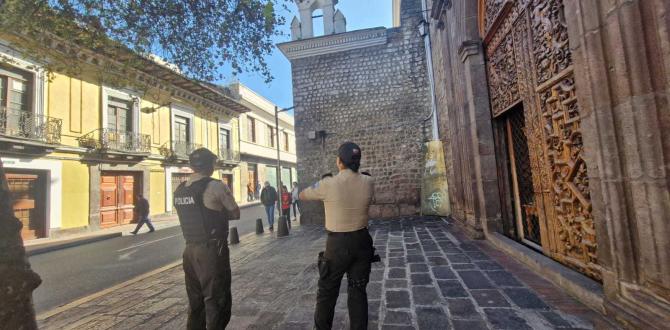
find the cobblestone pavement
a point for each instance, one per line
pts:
(431, 277)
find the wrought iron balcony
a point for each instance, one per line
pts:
(178, 149)
(27, 125)
(229, 155)
(106, 139)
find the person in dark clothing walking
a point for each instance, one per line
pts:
(142, 210)
(205, 206)
(346, 198)
(269, 199)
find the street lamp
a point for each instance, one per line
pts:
(277, 111)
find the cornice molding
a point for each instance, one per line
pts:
(333, 43)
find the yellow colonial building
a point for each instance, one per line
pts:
(77, 150)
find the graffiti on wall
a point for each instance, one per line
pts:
(434, 188)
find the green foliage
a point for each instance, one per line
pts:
(198, 37)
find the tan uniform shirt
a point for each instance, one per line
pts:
(346, 197)
(217, 196)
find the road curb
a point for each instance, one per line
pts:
(68, 306)
(32, 250)
(247, 205)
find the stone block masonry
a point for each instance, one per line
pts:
(377, 96)
(431, 277)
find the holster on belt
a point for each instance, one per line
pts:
(322, 265)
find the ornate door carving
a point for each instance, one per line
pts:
(529, 62)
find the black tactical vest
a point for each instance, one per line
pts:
(198, 223)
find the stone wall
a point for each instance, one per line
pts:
(464, 118)
(376, 96)
(622, 56)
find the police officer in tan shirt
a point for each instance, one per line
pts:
(346, 198)
(204, 206)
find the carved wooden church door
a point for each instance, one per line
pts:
(531, 82)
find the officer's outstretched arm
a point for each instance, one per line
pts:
(227, 200)
(317, 192)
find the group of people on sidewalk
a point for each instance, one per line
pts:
(205, 205)
(269, 198)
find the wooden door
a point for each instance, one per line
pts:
(529, 62)
(117, 191)
(28, 193)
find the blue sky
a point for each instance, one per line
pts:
(360, 14)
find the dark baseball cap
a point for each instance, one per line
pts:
(349, 153)
(201, 158)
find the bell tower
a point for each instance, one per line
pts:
(333, 21)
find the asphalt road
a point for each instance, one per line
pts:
(79, 271)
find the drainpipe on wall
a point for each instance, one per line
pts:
(429, 64)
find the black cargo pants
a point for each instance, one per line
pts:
(207, 270)
(349, 253)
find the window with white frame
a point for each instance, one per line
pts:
(270, 136)
(286, 144)
(119, 115)
(251, 129)
(16, 89)
(224, 138)
(121, 111)
(182, 129)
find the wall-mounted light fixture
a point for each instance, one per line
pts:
(313, 135)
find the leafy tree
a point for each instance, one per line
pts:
(198, 37)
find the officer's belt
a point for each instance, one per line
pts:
(338, 233)
(210, 242)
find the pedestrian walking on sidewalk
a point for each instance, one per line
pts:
(295, 193)
(346, 198)
(286, 203)
(269, 199)
(204, 206)
(142, 210)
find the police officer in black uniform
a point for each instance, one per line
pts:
(346, 197)
(204, 206)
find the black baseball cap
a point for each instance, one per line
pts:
(349, 153)
(201, 158)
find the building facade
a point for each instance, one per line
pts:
(258, 144)
(368, 86)
(555, 141)
(77, 149)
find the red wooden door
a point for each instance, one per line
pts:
(117, 191)
(28, 194)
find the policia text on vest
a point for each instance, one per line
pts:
(349, 249)
(204, 206)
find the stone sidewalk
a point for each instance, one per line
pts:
(431, 277)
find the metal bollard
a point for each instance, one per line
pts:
(282, 228)
(259, 226)
(233, 236)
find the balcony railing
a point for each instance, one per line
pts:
(107, 139)
(178, 149)
(27, 125)
(229, 155)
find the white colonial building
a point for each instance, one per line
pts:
(258, 144)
